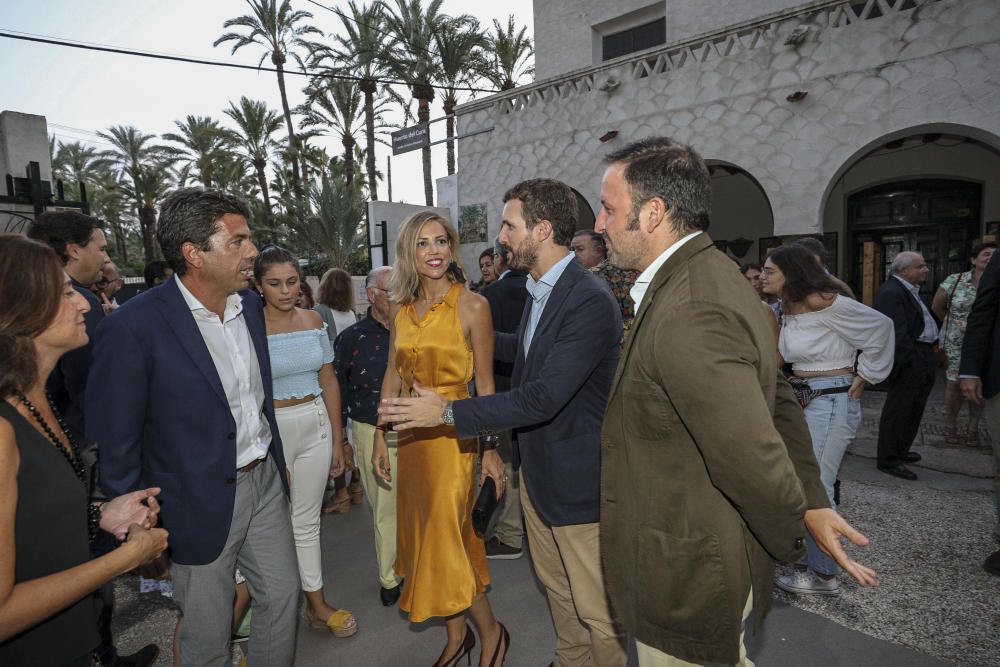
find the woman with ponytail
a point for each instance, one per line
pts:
(47, 578)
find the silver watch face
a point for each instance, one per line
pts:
(448, 416)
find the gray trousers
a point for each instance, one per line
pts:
(260, 543)
(992, 412)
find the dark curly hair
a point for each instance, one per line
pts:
(803, 274)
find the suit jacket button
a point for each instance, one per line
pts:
(230, 480)
(231, 436)
(800, 542)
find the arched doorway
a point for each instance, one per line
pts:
(939, 218)
(930, 188)
(585, 214)
(741, 211)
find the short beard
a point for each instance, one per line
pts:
(628, 258)
(524, 257)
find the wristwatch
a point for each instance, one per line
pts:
(448, 415)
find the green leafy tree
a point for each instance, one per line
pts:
(364, 50)
(336, 225)
(414, 59)
(512, 54)
(459, 44)
(203, 145)
(256, 126)
(76, 163)
(337, 105)
(144, 170)
(279, 30)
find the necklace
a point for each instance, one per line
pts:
(72, 456)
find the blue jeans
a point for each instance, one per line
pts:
(833, 421)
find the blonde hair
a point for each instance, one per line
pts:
(405, 282)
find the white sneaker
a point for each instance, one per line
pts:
(807, 583)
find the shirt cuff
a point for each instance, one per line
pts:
(968, 377)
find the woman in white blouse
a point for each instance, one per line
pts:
(821, 335)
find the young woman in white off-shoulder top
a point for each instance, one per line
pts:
(821, 336)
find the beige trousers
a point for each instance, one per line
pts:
(381, 496)
(651, 657)
(567, 560)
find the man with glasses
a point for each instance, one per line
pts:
(913, 369)
(108, 285)
(360, 356)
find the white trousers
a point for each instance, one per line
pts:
(307, 438)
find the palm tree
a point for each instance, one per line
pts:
(203, 147)
(512, 51)
(75, 163)
(415, 60)
(279, 30)
(108, 202)
(459, 44)
(364, 51)
(336, 228)
(144, 167)
(256, 125)
(337, 104)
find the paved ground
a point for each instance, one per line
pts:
(934, 606)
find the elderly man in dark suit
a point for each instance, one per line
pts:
(564, 355)
(979, 372)
(913, 370)
(707, 468)
(186, 404)
(506, 296)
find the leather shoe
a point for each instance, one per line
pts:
(144, 657)
(911, 457)
(992, 564)
(390, 596)
(900, 471)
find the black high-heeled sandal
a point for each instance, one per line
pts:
(465, 650)
(502, 641)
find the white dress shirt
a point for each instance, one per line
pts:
(539, 291)
(638, 290)
(228, 341)
(930, 333)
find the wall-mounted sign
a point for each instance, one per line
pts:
(410, 139)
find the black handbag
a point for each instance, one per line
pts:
(486, 505)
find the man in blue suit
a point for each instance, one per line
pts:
(564, 353)
(186, 405)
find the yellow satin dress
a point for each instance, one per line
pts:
(437, 551)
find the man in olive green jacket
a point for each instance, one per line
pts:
(707, 468)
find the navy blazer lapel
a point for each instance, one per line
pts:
(179, 317)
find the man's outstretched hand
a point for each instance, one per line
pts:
(421, 410)
(826, 527)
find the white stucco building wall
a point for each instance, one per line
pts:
(873, 71)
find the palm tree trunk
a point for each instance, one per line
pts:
(423, 116)
(369, 91)
(449, 111)
(293, 149)
(266, 196)
(348, 142)
(147, 221)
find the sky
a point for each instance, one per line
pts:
(81, 92)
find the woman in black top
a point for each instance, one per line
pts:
(47, 578)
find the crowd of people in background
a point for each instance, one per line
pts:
(229, 405)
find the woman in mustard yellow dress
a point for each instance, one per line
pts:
(441, 335)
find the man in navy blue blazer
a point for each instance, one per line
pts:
(564, 352)
(186, 405)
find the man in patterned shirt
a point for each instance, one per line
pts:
(361, 353)
(591, 251)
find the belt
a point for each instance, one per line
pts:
(250, 466)
(833, 390)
